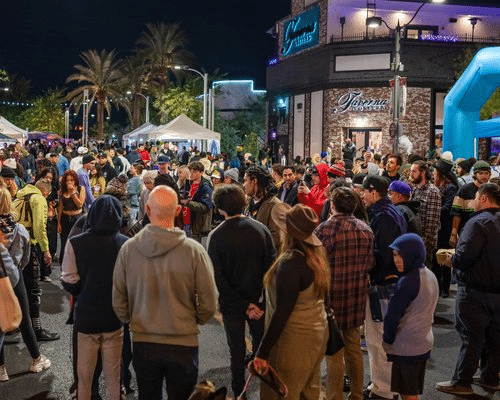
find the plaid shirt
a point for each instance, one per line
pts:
(429, 212)
(349, 246)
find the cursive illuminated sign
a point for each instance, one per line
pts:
(354, 101)
(301, 32)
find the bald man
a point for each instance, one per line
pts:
(163, 286)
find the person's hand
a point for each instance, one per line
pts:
(447, 262)
(453, 239)
(260, 365)
(303, 189)
(59, 228)
(47, 257)
(254, 311)
(70, 186)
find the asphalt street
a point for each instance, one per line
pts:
(214, 356)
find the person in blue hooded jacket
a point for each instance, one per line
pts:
(87, 272)
(408, 336)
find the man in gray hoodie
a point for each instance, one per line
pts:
(163, 286)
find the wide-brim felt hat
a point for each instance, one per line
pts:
(446, 168)
(298, 221)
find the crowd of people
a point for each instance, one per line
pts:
(155, 239)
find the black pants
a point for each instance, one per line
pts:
(67, 222)
(443, 276)
(26, 326)
(234, 325)
(154, 363)
(31, 276)
(45, 269)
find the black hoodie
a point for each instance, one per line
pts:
(95, 252)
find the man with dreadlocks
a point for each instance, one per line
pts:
(262, 194)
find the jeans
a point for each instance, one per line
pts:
(234, 325)
(154, 362)
(353, 359)
(109, 344)
(380, 368)
(477, 317)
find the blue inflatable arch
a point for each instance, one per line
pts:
(463, 104)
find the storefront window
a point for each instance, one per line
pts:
(417, 31)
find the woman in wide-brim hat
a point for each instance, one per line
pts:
(296, 328)
(446, 181)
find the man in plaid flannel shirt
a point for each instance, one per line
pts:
(430, 206)
(349, 246)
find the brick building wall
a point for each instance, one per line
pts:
(416, 123)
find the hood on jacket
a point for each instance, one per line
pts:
(323, 177)
(153, 241)
(28, 189)
(105, 215)
(412, 249)
(413, 205)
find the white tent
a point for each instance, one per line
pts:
(141, 134)
(183, 128)
(9, 129)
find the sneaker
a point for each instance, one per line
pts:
(347, 384)
(39, 364)
(453, 388)
(477, 381)
(3, 374)
(46, 279)
(43, 335)
(363, 345)
(368, 394)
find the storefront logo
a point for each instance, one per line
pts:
(301, 32)
(354, 101)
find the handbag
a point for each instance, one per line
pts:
(335, 340)
(10, 310)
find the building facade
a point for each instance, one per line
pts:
(333, 77)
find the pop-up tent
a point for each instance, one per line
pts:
(462, 105)
(9, 129)
(141, 134)
(186, 130)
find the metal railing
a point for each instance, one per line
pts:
(363, 37)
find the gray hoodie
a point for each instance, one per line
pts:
(163, 285)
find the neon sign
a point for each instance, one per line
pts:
(353, 101)
(439, 38)
(301, 32)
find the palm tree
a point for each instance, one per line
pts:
(102, 77)
(161, 46)
(134, 72)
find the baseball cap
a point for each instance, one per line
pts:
(377, 182)
(163, 159)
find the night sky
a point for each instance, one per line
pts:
(41, 40)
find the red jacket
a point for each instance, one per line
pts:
(145, 156)
(316, 198)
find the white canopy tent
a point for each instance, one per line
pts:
(141, 134)
(186, 130)
(9, 129)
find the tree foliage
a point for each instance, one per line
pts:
(46, 115)
(102, 76)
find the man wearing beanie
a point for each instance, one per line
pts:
(88, 163)
(9, 177)
(400, 193)
(463, 203)
(464, 171)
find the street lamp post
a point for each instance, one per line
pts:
(375, 22)
(147, 103)
(205, 88)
